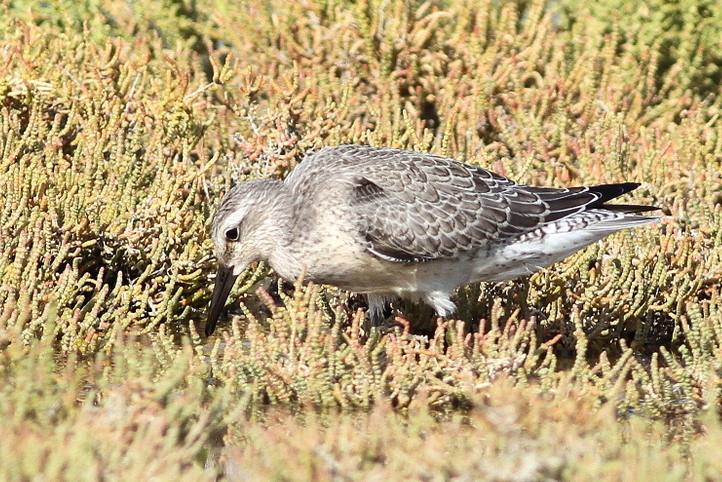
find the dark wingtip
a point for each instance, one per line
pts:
(629, 208)
(607, 192)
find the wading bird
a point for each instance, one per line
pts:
(393, 222)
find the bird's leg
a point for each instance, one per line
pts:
(378, 306)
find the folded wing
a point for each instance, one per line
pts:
(430, 207)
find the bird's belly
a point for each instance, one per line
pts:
(366, 273)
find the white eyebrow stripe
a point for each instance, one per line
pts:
(234, 219)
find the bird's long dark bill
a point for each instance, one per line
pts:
(224, 282)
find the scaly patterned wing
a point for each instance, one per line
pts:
(415, 207)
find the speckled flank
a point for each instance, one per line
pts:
(391, 222)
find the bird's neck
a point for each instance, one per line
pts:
(285, 264)
(280, 257)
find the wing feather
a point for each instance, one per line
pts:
(415, 207)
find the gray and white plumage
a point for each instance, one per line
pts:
(391, 222)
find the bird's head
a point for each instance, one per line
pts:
(246, 227)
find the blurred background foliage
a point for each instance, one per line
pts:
(123, 123)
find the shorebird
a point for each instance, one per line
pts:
(392, 222)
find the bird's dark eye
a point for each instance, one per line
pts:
(232, 234)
